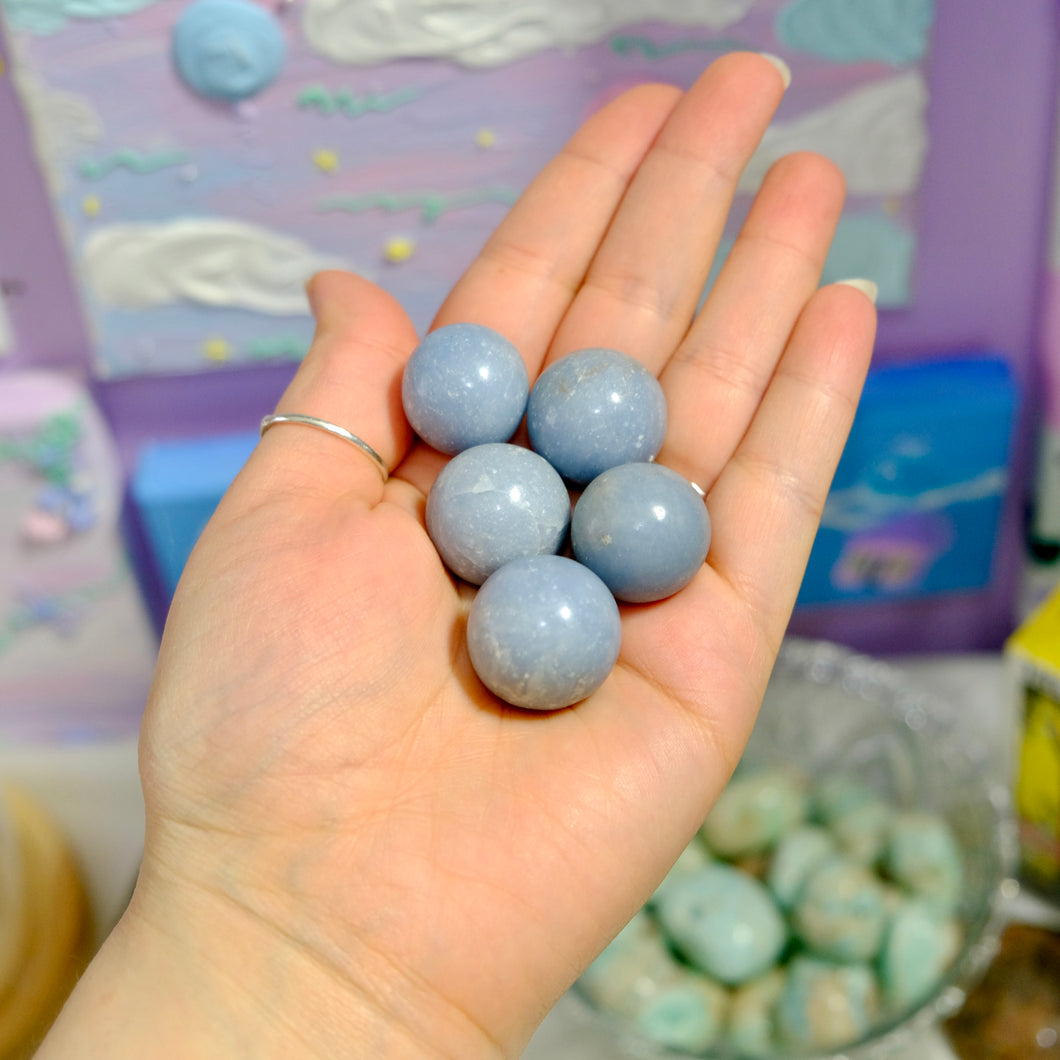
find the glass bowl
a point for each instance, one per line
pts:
(826, 711)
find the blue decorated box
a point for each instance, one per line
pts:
(916, 501)
(175, 488)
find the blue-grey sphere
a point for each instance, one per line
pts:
(643, 529)
(543, 632)
(594, 409)
(464, 385)
(494, 503)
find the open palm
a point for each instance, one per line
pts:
(400, 861)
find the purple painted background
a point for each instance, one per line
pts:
(984, 204)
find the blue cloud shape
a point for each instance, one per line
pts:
(849, 31)
(872, 245)
(44, 17)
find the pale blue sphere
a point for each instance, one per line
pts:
(594, 409)
(464, 385)
(494, 503)
(543, 632)
(643, 529)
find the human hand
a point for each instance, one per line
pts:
(352, 847)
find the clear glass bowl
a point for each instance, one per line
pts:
(827, 709)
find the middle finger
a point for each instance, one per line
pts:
(642, 288)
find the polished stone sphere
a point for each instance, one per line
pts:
(494, 503)
(594, 409)
(464, 385)
(643, 529)
(543, 632)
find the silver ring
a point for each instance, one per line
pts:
(331, 428)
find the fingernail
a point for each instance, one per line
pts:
(782, 67)
(310, 294)
(866, 287)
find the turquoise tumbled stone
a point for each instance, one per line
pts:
(754, 810)
(724, 922)
(919, 947)
(825, 1005)
(842, 911)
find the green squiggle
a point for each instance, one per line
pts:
(134, 161)
(626, 45)
(285, 347)
(22, 620)
(431, 205)
(49, 451)
(328, 102)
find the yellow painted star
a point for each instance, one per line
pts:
(217, 349)
(485, 138)
(398, 249)
(326, 161)
(91, 205)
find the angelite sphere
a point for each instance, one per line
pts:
(543, 632)
(594, 409)
(643, 529)
(725, 923)
(494, 503)
(464, 385)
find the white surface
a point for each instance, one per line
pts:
(93, 791)
(7, 338)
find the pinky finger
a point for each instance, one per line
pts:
(767, 503)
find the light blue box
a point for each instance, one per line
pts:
(175, 488)
(916, 502)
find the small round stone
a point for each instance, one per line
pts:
(543, 632)
(634, 962)
(686, 1012)
(494, 503)
(796, 856)
(825, 1005)
(594, 409)
(749, 1031)
(464, 385)
(924, 855)
(724, 922)
(842, 911)
(863, 830)
(754, 810)
(919, 947)
(643, 529)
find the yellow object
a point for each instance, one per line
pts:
(1033, 658)
(326, 161)
(398, 249)
(485, 138)
(91, 205)
(48, 921)
(217, 349)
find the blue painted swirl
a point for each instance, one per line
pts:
(850, 31)
(228, 49)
